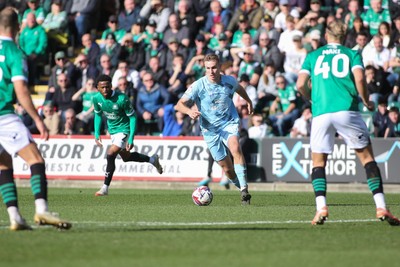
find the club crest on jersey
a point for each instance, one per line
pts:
(115, 106)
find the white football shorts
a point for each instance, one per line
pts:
(119, 139)
(348, 124)
(14, 136)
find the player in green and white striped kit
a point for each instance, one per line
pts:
(337, 75)
(121, 122)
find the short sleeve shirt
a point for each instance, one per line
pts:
(331, 70)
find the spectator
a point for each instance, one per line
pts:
(131, 75)
(51, 118)
(266, 89)
(216, 15)
(91, 49)
(128, 15)
(150, 31)
(213, 38)
(286, 39)
(56, 26)
(150, 102)
(294, 60)
(112, 48)
(393, 127)
(361, 41)
(201, 8)
(173, 121)
(84, 71)
(258, 128)
(63, 65)
(248, 66)
(376, 84)
(159, 73)
(113, 28)
(85, 96)
(268, 51)
(223, 49)
(395, 35)
(380, 118)
(353, 13)
(375, 15)
(175, 30)
(251, 91)
(70, 126)
(281, 18)
(271, 8)
(138, 31)
(384, 32)
(267, 26)
(250, 9)
(302, 126)
(33, 42)
(200, 47)
(132, 52)
(187, 18)
(84, 13)
(284, 108)
(352, 34)
(26, 119)
(377, 55)
(174, 48)
(126, 87)
(195, 67)
(105, 65)
(33, 7)
(177, 80)
(157, 49)
(394, 97)
(62, 98)
(243, 29)
(156, 11)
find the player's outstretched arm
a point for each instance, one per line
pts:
(359, 79)
(181, 106)
(25, 99)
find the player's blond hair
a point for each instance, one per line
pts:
(336, 30)
(211, 57)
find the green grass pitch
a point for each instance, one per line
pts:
(164, 228)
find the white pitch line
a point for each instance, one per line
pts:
(82, 224)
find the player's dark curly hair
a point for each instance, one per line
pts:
(103, 78)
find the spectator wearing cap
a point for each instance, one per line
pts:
(181, 33)
(84, 15)
(187, 18)
(244, 27)
(200, 47)
(155, 10)
(111, 48)
(33, 7)
(128, 15)
(132, 52)
(286, 39)
(375, 15)
(267, 26)
(216, 15)
(267, 50)
(294, 59)
(159, 73)
(271, 8)
(252, 10)
(174, 48)
(222, 50)
(138, 31)
(286, 10)
(157, 49)
(393, 127)
(91, 49)
(56, 26)
(112, 27)
(33, 42)
(62, 65)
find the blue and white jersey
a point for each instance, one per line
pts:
(214, 101)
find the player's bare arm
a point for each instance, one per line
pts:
(359, 80)
(242, 92)
(303, 86)
(181, 106)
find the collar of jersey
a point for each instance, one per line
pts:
(6, 38)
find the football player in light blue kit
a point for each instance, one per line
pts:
(219, 119)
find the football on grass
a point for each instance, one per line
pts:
(202, 196)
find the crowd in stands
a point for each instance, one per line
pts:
(153, 50)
